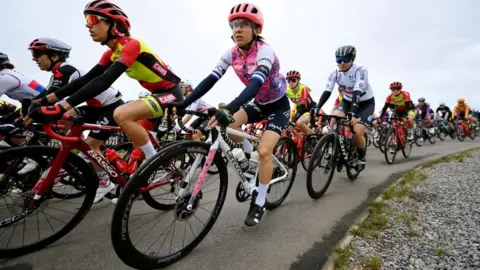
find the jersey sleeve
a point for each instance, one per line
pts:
(223, 65)
(305, 95)
(388, 100)
(406, 96)
(265, 60)
(129, 53)
(8, 82)
(194, 105)
(106, 58)
(64, 76)
(331, 81)
(361, 80)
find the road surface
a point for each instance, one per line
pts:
(297, 235)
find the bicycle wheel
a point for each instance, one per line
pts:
(432, 138)
(123, 231)
(382, 141)
(324, 148)
(473, 133)
(442, 134)
(391, 146)
(407, 149)
(288, 157)
(461, 134)
(307, 149)
(23, 216)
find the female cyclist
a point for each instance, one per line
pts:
(302, 100)
(51, 55)
(357, 96)
(257, 66)
(109, 25)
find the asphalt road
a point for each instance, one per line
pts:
(297, 235)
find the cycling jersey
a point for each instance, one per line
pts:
(443, 111)
(143, 64)
(301, 96)
(65, 73)
(337, 101)
(463, 109)
(260, 54)
(402, 101)
(423, 111)
(354, 79)
(17, 86)
(198, 106)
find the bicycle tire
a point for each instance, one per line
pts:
(432, 138)
(317, 153)
(119, 231)
(473, 134)
(91, 183)
(292, 161)
(391, 135)
(409, 146)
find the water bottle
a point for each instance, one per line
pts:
(116, 160)
(242, 159)
(253, 164)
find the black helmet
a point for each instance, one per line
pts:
(346, 51)
(4, 61)
(52, 45)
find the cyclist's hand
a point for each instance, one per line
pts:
(223, 117)
(45, 114)
(353, 119)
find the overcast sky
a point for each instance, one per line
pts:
(432, 47)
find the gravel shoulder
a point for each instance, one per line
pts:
(430, 219)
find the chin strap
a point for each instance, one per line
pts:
(112, 33)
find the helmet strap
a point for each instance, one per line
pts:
(112, 33)
(53, 63)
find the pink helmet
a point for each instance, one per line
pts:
(247, 11)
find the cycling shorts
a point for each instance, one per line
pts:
(365, 109)
(157, 101)
(99, 116)
(277, 114)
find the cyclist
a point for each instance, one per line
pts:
(14, 84)
(462, 110)
(109, 25)
(401, 101)
(51, 55)
(337, 103)
(444, 112)
(257, 66)
(300, 95)
(198, 106)
(357, 97)
(423, 113)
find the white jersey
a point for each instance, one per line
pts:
(355, 79)
(198, 106)
(17, 86)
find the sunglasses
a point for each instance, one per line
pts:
(292, 80)
(396, 89)
(343, 60)
(93, 19)
(37, 53)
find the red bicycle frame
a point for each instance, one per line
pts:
(463, 126)
(75, 141)
(398, 125)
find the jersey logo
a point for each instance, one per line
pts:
(169, 98)
(160, 69)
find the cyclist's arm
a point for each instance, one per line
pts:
(361, 85)
(384, 109)
(8, 82)
(265, 60)
(305, 97)
(75, 85)
(64, 76)
(207, 83)
(328, 90)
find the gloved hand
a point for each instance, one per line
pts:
(45, 114)
(224, 117)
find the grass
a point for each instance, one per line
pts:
(342, 256)
(375, 222)
(440, 251)
(373, 263)
(407, 217)
(412, 233)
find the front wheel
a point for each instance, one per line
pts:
(168, 236)
(325, 149)
(391, 146)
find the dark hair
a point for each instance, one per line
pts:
(260, 38)
(121, 28)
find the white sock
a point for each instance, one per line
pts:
(247, 146)
(148, 149)
(262, 194)
(104, 179)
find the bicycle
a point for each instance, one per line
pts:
(339, 151)
(192, 198)
(304, 143)
(54, 164)
(442, 128)
(465, 129)
(396, 140)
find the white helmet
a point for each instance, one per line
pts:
(186, 83)
(143, 94)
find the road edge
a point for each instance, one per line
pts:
(348, 237)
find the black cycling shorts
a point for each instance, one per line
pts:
(100, 116)
(365, 109)
(277, 114)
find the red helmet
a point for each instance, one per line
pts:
(294, 74)
(107, 10)
(396, 85)
(50, 45)
(247, 11)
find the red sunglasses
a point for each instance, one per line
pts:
(92, 19)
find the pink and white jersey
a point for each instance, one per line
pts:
(17, 86)
(198, 106)
(274, 85)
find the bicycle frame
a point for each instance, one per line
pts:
(75, 141)
(398, 124)
(339, 134)
(224, 146)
